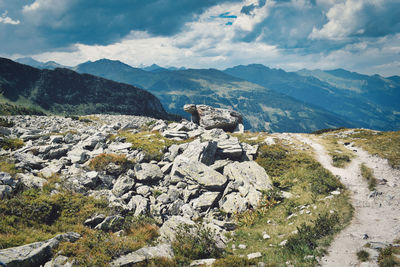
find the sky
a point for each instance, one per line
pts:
(357, 35)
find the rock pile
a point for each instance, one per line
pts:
(206, 174)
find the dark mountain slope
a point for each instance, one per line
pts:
(65, 91)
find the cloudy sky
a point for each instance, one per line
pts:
(358, 35)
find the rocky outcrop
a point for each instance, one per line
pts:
(203, 173)
(34, 254)
(144, 254)
(210, 117)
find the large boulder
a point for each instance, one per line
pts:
(210, 117)
(203, 152)
(34, 254)
(198, 173)
(144, 254)
(147, 172)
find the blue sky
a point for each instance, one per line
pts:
(359, 35)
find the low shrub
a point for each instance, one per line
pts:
(327, 130)
(306, 240)
(195, 242)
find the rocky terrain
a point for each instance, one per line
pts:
(207, 173)
(94, 187)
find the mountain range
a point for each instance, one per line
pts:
(270, 99)
(63, 91)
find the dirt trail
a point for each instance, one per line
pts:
(377, 215)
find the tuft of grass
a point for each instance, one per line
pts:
(97, 248)
(339, 160)
(363, 255)
(369, 176)
(383, 144)
(152, 143)
(194, 242)
(102, 161)
(7, 165)
(387, 257)
(10, 143)
(341, 156)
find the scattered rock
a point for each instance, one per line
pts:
(147, 172)
(111, 223)
(34, 254)
(254, 255)
(144, 254)
(203, 262)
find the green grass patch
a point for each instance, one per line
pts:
(194, 242)
(363, 255)
(7, 165)
(102, 162)
(383, 144)
(35, 215)
(369, 176)
(308, 220)
(152, 143)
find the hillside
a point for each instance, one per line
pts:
(106, 194)
(63, 91)
(263, 109)
(370, 101)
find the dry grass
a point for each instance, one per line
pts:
(152, 143)
(369, 176)
(100, 162)
(341, 156)
(383, 144)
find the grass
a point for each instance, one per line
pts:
(363, 255)
(102, 162)
(152, 143)
(387, 257)
(341, 156)
(383, 144)
(369, 176)
(98, 248)
(7, 165)
(35, 215)
(314, 218)
(10, 143)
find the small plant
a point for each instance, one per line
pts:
(363, 255)
(195, 242)
(340, 160)
(7, 165)
(306, 240)
(369, 176)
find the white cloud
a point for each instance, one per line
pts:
(208, 42)
(7, 20)
(344, 19)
